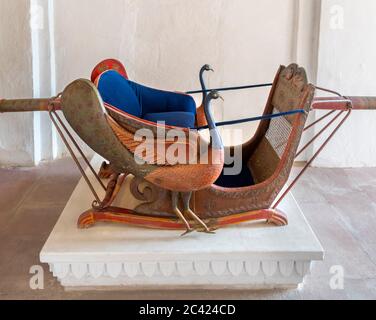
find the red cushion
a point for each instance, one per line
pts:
(108, 64)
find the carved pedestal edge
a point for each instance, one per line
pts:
(253, 274)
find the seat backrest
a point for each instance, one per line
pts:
(116, 91)
(108, 64)
(280, 137)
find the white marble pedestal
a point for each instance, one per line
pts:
(251, 256)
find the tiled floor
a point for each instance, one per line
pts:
(339, 203)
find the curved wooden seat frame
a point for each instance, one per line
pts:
(269, 155)
(216, 205)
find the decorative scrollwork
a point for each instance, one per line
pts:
(143, 191)
(113, 188)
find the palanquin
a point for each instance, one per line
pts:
(109, 111)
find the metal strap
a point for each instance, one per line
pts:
(232, 88)
(264, 117)
(318, 152)
(53, 114)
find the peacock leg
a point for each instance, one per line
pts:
(188, 211)
(175, 208)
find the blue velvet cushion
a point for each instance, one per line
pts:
(174, 118)
(243, 179)
(174, 109)
(157, 101)
(116, 91)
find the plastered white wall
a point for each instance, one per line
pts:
(164, 43)
(16, 130)
(42, 78)
(347, 63)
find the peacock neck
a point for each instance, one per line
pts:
(216, 139)
(203, 86)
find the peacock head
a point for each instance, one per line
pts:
(207, 67)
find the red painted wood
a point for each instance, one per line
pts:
(345, 103)
(125, 216)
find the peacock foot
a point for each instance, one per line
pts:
(201, 225)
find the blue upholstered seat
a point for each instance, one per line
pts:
(173, 118)
(116, 91)
(154, 105)
(243, 179)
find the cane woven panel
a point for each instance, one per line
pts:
(278, 134)
(269, 153)
(287, 96)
